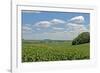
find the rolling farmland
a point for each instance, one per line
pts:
(53, 50)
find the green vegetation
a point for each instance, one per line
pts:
(53, 50)
(82, 38)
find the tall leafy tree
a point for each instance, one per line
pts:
(81, 38)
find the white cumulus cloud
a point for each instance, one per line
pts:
(46, 24)
(76, 28)
(42, 24)
(57, 21)
(25, 28)
(77, 20)
(76, 24)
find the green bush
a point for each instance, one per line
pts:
(82, 38)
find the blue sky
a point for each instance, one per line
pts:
(39, 25)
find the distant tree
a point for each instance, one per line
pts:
(82, 38)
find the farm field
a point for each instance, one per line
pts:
(54, 50)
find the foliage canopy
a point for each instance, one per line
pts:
(82, 38)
